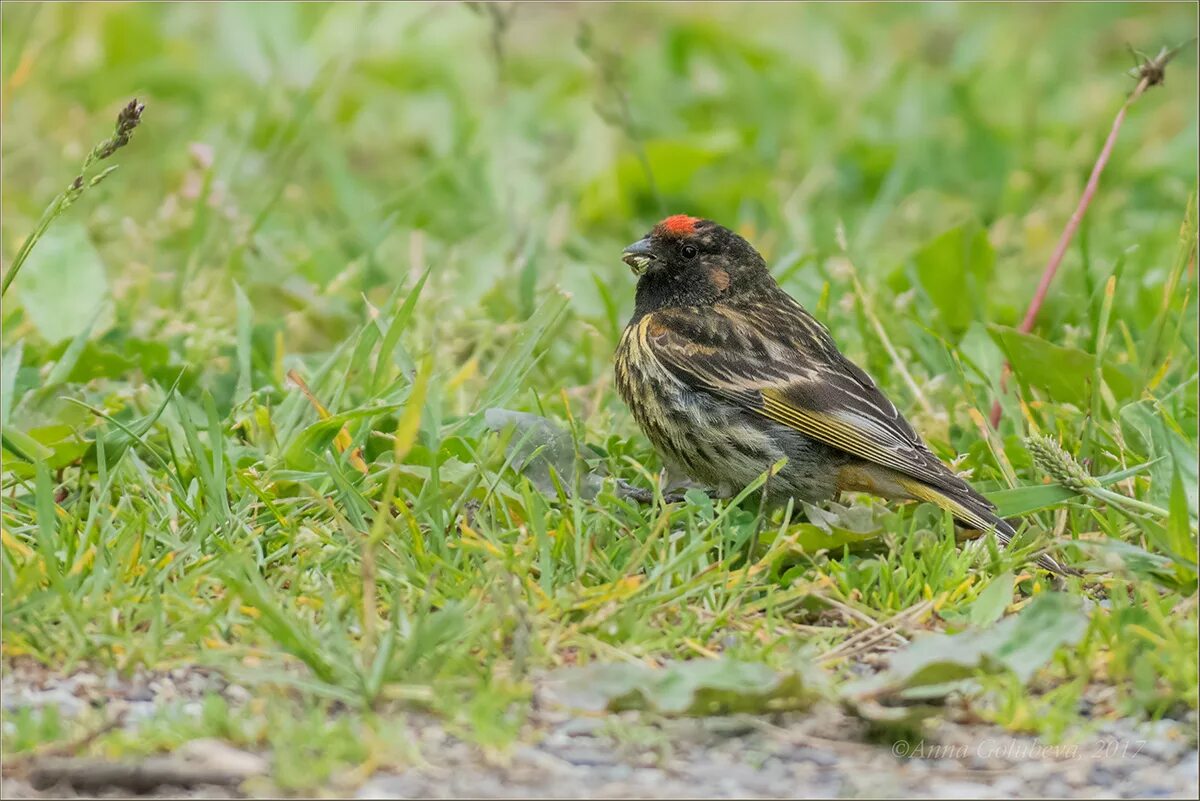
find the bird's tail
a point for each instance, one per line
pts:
(974, 511)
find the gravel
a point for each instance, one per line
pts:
(820, 753)
(788, 757)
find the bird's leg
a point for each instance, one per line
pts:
(646, 496)
(759, 516)
(636, 494)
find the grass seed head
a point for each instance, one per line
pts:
(127, 120)
(1050, 457)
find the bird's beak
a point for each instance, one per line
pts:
(638, 256)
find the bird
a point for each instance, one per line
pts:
(727, 374)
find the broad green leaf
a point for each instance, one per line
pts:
(63, 441)
(1018, 501)
(978, 349)
(1026, 500)
(1181, 534)
(10, 363)
(105, 359)
(834, 527)
(699, 687)
(953, 268)
(813, 539)
(24, 447)
(1064, 374)
(63, 283)
(1022, 643)
(991, 603)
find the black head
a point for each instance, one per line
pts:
(686, 261)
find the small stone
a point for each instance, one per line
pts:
(581, 727)
(139, 711)
(83, 680)
(538, 758)
(824, 759)
(731, 726)
(584, 756)
(220, 755)
(963, 790)
(237, 694)
(1189, 769)
(140, 693)
(391, 787)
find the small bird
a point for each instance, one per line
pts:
(727, 374)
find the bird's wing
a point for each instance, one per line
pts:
(776, 360)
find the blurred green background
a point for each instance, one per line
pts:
(305, 150)
(300, 166)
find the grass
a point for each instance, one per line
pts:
(417, 211)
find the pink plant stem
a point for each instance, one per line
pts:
(1060, 250)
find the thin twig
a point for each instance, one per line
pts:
(17, 762)
(93, 775)
(1150, 72)
(885, 629)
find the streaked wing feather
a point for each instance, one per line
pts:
(782, 364)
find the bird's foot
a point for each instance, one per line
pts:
(647, 496)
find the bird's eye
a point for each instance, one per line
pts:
(689, 251)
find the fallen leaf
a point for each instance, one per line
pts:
(697, 687)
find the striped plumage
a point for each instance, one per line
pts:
(703, 434)
(727, 374)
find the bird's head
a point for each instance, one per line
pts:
(687, 261)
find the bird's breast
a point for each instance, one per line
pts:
(650, 391)
(706, 437)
